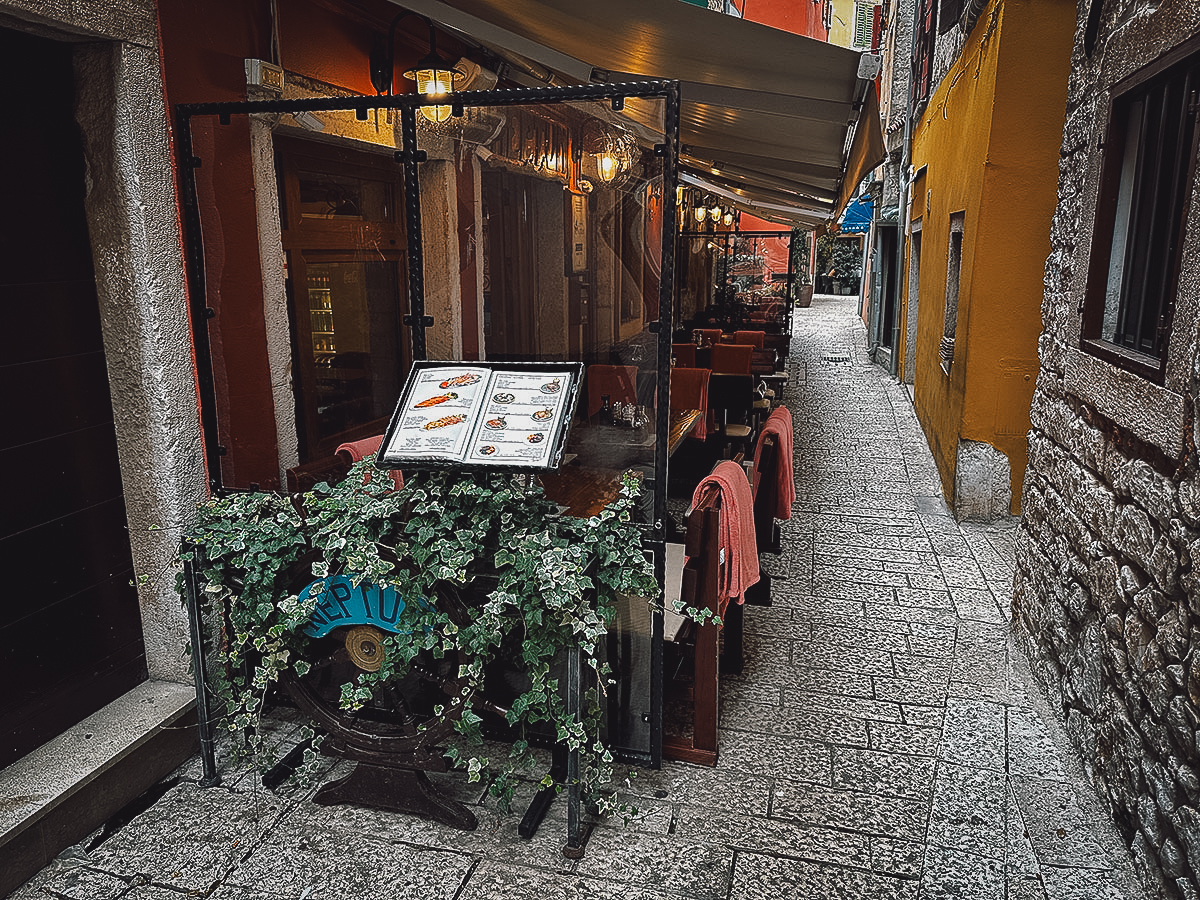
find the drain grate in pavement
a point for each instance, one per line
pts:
(836, 359)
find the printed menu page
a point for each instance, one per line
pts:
(438, 413)
(480, 416)
(520, 415)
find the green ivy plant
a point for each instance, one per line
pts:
(541, 582)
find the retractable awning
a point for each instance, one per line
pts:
(857, 217)
(778, 123)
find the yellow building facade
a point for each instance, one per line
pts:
(850, 23)
(985, 163)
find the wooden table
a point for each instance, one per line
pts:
(683, 423)
(586, 490)
(583, 491)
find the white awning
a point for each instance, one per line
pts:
(774, 118)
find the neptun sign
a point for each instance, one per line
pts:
(340, 602)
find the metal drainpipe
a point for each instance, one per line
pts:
(904, 236)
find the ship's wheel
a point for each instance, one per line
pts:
(395, 738)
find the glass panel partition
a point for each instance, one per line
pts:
(562, 260)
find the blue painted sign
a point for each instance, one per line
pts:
(340, 602)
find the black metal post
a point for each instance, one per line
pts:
(666, 330)
(411, 157)
(576, 836)
(200, 314)
(791, 286)
(199, 670)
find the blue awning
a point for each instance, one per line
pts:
(857, 217)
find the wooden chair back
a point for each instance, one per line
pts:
(733, 359)
(698, 589)
(753, 338)
(762, 362)
(685, 355)
(766, 487)
(732, 395)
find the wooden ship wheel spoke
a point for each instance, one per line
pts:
(397, 736)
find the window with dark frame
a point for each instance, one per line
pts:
(864, 20)
(949, 12)
(953, 276)
(344, 240)
(1146, 177)
(924, 43)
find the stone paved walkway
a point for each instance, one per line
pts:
(884, 741)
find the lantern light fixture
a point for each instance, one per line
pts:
(435, 77)
(715, 213)
(608, 165)
(701, 213)
(614, 155)
(727, 218)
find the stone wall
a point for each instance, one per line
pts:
(1107, 591)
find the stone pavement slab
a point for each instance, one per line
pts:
(883, 743)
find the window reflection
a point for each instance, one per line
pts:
(327, 196)
(354, 344)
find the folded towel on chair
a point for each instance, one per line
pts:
(738, 545)
(779, 426)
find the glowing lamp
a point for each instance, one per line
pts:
(608, 166)
(435, 78)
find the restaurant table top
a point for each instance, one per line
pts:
(586, 489)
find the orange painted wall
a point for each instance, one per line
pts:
(796, 16)
(990, 136)
(203, 48)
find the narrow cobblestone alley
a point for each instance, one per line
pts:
(884, 740)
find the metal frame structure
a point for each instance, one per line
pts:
(410, 156)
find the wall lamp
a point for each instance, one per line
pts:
(435, 77)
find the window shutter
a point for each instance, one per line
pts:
(949, 14)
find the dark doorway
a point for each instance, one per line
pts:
(70, 629)
(887, 284)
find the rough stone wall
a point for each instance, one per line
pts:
(1107, 590)
(982, 483)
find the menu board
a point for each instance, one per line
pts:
(496, 415)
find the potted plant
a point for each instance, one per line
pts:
(535, 583)
(801, 256)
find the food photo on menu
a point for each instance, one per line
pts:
(475, 414)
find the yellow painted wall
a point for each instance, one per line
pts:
(841, 22)
(990, 136)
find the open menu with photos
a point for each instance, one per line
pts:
(486, 414)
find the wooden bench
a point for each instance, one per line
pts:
(697, 587)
